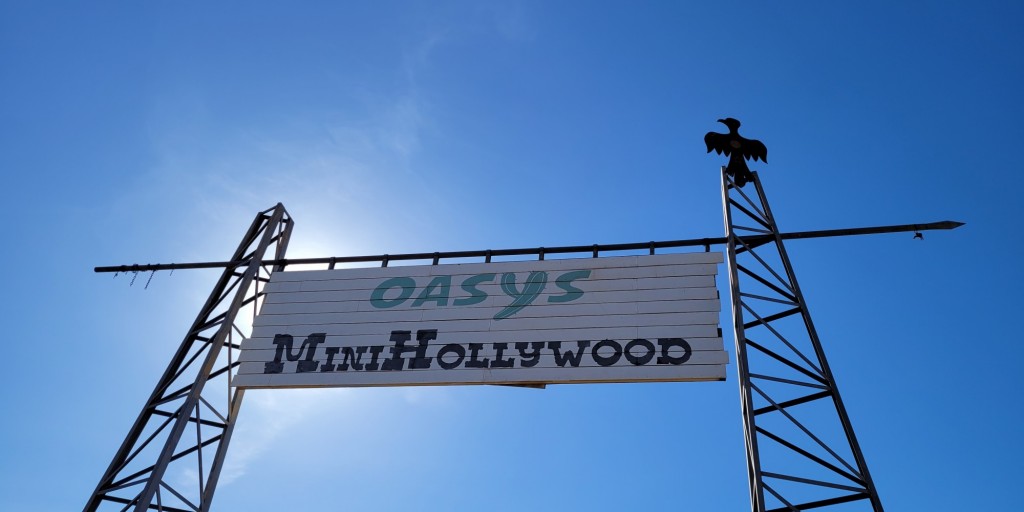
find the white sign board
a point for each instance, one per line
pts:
(617, 319)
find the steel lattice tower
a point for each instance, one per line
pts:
(801, 450)
(174, 453)
(800, 446)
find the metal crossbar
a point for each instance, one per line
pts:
(593, 250)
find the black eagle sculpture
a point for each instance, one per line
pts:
(738, 149)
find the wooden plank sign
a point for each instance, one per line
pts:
(618, 319)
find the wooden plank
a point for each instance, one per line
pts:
(268, 351)
(682, 259)
(414, 318)
(691, 333)
(499, 302)
(547, 362)
(599, 280)
(708, 292)
(682, 373)
(473, 328)
(366, 313)
(430, 272)
(495, 289)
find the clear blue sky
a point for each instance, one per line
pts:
(135, 132)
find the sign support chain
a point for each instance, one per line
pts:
(160, 465)
(800, 446)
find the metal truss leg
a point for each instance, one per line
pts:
(173, 455)
(800, 446)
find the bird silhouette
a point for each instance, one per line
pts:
(738, 149)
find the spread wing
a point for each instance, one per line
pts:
(751, 148)
(718, 142)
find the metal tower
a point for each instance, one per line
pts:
(798, 457)
(174, 453)
(801, 450)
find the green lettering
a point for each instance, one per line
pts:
(476, 296)
(441, 284)
(564, 282)
(532, 288)
(407, 284)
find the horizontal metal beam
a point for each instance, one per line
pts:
(541, 251)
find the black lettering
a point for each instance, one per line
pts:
(668, 343)
(445, 350)
(639, 360)
(474, 349)
(424, 337)
(353, 358)
(606, 360)
(329, 365)
(531, 358)
(308, 364)
(282, 341)
(396, 362)
(285, 343)
(498, 361)
(375, 351)
(572, 358)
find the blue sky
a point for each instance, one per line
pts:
(153, 132)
